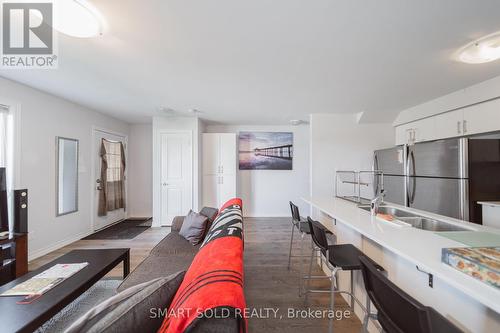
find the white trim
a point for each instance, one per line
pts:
(93, 155)
(157, 171)
(56, 246)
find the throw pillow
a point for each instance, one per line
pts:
(140, 308)
(194, 227)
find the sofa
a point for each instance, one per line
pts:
(171, 255)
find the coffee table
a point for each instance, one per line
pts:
(28, 317)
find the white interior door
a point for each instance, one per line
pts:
(176, 176)
(116, 215)
(228, 153)
(227, 188)
(211, 165)
(210, 191)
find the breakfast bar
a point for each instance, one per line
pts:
(412, 259)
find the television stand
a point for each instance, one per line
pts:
(13, 257)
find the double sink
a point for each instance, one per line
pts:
(416, 220)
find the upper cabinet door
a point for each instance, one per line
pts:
(482, 118)
(425, 130)
(404, 134)
(449, 124)
(228, 153)
(211, 160)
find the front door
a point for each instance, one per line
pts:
(176, 176)
(115, 215)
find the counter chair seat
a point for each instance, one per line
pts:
(341, 257)
(396, 310)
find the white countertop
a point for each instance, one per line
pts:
(490, 203)
(423, 248)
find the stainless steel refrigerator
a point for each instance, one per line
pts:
(446, 177)
(392, 163)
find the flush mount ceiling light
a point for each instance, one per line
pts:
(297, 122)
(485, 49)
(78, 18)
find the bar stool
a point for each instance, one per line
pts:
(340, 257)
(397, 311)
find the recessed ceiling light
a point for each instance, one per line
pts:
(485, 49)
(296, 122)
(78, 18)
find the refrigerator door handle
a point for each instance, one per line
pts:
(410, 194)
(375, 175)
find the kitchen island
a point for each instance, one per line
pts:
(412, 257)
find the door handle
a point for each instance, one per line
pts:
(459, 127)
(465, 126)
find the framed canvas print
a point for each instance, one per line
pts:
(266, 150)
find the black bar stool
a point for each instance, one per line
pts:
(398, 312)
(340, 257)
(302, 227)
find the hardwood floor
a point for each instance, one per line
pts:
(140, 247)
(269, 285)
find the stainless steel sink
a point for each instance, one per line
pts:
(417, 221)
(430, 224)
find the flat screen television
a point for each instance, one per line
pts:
(4, 216)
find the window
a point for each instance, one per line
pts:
(7, 152)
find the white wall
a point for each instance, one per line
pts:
(42, 118)
(175, 124)
(266, 193)
(477, 93)
(338, 142)
(140, 170)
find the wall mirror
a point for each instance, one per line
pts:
(67, 176)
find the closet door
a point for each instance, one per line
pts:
(211, 191)
(227, 188)
(227, 155)
(211, 154)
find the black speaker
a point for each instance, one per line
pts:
(21, 211)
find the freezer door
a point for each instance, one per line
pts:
(444, 159)
(394, 187)
(443, 196)
(390, 161)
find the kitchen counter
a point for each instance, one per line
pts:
(420, 247)
(490, 203)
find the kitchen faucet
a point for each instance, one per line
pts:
(376, 202)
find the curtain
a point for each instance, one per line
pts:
(7, 153)
(112, 194)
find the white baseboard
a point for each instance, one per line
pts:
(56, 246)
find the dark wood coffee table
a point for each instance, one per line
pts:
(28, 317)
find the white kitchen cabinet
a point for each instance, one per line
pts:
(424, 130)
(449, 124)
(482, 118)
(219, 168)
(417, 131)
(404, 134)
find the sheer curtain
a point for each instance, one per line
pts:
(112, 195)
(7, 152)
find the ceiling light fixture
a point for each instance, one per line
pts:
(78, 18)
(485, 49)
(296, 122)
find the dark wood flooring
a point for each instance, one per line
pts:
(269, 284)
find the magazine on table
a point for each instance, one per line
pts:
(43, 282)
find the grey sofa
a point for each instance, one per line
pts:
(171, 255)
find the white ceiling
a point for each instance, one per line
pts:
(266, 62)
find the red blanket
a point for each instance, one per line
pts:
(215, 278)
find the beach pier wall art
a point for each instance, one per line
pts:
(266, 151)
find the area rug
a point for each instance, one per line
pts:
(127, 229)
(99, 292)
